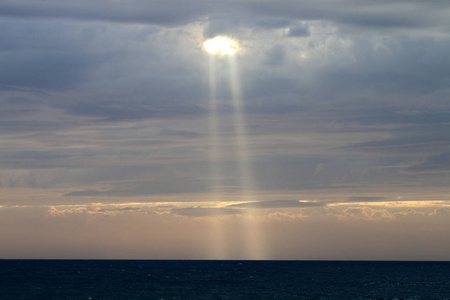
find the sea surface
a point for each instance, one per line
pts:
(172, 279)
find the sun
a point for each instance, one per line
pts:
(220, 45)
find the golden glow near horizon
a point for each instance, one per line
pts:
(220, 45)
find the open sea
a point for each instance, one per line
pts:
(188, 279)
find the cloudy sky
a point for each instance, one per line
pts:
(120, 136)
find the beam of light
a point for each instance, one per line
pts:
(218, 245)
(255, 249)
(220, 45)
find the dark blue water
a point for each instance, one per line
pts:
(147, 279)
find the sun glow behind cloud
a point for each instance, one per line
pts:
(220, 45)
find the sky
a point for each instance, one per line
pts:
(326, 135)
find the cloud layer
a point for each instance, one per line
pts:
(345, 102)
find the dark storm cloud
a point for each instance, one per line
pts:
(278, 204)
(205, 211)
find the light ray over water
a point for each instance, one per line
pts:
(218, 245)
(252, 239)
(246, 178)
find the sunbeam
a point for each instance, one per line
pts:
(218, 245)
(255, 247)
(221, 46)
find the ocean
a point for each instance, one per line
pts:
(188, 279)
